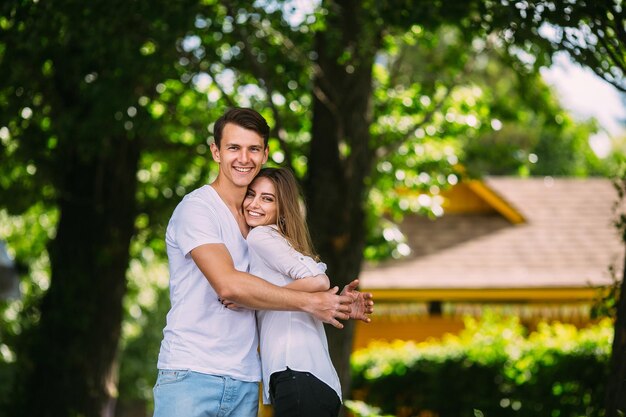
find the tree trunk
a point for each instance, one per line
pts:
(340, 158)
(615, 402)
(73, 350)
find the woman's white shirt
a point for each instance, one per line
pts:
(288, 338)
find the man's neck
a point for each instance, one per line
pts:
(231, 195)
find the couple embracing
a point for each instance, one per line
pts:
(244, 278)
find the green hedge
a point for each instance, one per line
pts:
(491, 369)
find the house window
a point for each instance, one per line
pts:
(434, 308)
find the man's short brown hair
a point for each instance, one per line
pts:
(243, 117)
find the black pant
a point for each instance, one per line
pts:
(301, 394)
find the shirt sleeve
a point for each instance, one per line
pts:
(195, 224)
(279, 255)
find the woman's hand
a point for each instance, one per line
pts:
(231, 305)
(362, 302)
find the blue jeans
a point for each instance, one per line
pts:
(184, 393)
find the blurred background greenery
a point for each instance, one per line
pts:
(106, 112)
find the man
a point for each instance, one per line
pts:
(208, 362)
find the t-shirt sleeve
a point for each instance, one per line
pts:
(277, 253)
(195, 224)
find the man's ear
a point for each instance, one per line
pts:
(215, 152)
(267, 154)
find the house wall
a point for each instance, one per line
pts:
(418, 329)
(412, 321)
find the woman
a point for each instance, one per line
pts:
(298, 376)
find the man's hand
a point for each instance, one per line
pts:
(362, 302)
(329, 307)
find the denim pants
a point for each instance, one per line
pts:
(302, 394)
(184, 393)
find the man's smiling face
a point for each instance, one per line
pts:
(241, 154)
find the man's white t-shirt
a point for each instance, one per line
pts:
(288, 338)
(201, 335)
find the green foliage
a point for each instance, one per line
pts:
(18, 317)
(146, 306)
(361, 409)
(591, 32)
(493, 368)
(441, 100)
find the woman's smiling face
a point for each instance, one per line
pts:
(260, 206)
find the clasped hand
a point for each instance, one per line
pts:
(349, 304)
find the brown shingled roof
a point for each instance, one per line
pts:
(568, 240)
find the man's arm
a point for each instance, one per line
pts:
(315, 283)
(244, 289)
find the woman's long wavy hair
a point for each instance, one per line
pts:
(290, 217)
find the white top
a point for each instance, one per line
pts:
(288, 338)
(201, 335)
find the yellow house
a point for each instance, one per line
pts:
(539, 248)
